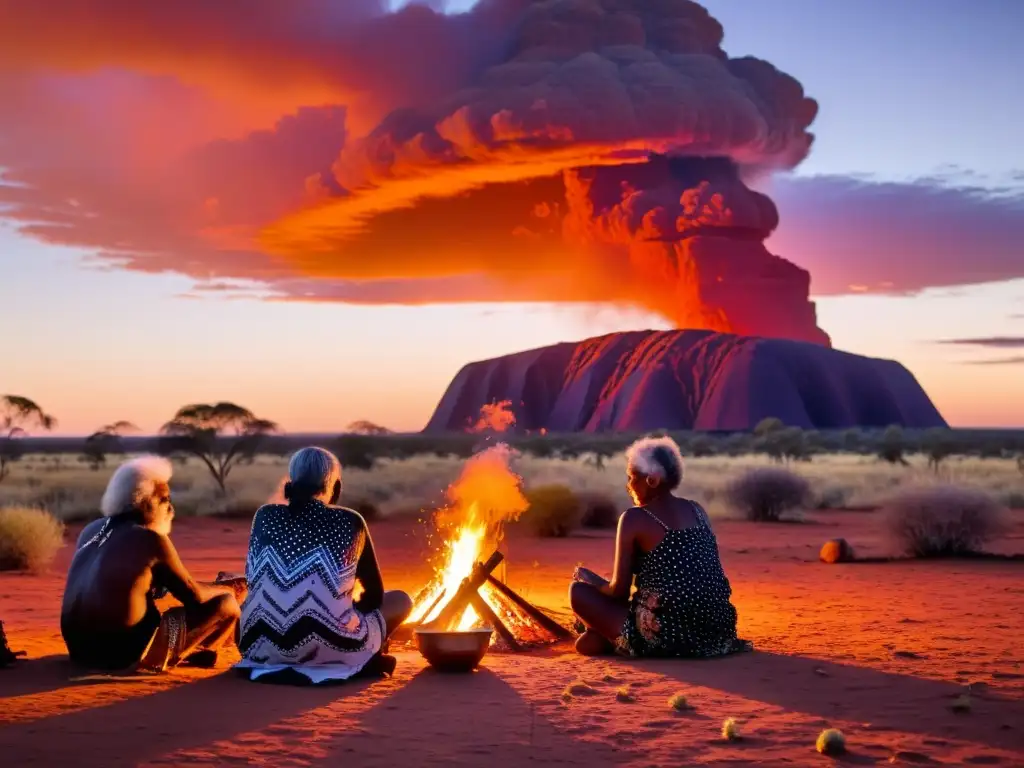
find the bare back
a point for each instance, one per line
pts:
(110, 579)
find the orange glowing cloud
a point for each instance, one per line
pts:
(328, 151)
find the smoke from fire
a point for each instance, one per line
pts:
(571, 150)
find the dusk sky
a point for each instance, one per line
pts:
(150, 177)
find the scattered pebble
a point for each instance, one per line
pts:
(578, 688)
(907, 655)
(623, 695)
(831, 742)
(731, 730)
(961, 703)
(906, 756)
(836, 551)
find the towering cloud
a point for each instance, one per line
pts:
(544, 150)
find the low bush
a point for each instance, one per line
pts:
(29, 538)
(942, 521)
(767, 494)
(554, 511)
(599, 511)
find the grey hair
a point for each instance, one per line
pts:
(658, 457)
(315, 469)
(133, 482)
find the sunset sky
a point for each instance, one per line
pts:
(149, 177)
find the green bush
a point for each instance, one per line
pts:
(942, 521)
(29, 538)
(554, 511)
(599, 511)
(767, 494)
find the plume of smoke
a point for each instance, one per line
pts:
(511, 142)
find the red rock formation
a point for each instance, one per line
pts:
(644, 380)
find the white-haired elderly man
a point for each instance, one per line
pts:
(681, 606)
(123, 563)
(302, 622)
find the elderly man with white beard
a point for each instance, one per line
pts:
(123, 563)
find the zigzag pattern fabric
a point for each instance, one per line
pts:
(301, 571)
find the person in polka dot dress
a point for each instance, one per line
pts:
(681, 605)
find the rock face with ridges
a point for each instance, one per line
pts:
(644, 380)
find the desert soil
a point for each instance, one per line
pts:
(879, 651)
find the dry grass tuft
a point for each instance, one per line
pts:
(624, 695)
(555, 511)
(599, 511)
(943, 521)
(678, 702)
(831, 742)
(765, 495)
(731, 730)
(29, 538)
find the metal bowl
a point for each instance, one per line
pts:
(454, 651)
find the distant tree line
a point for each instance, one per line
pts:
(224, 435)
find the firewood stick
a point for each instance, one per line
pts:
(531, 610)
(457, 605)
(433, 605)
(482, 608)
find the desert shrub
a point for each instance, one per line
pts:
(599, 511)
(942, 521)
(767, 494)
(554, 511)
(832, 497)
(1014, 499)
(29, 538)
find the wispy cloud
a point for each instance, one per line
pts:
(1016, 360)
(998, 342)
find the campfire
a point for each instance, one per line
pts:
(465, 593)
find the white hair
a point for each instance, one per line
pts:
(658, 457)
(133, 482)
(315, 468)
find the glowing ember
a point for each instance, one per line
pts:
(486, 495)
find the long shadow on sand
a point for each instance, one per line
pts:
(846, 692)
(143, 728)
(472, 720)
(30, 676)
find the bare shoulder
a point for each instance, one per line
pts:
(146, 540)
(631, 517)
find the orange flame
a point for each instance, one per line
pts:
(486, 496)
(496, 417)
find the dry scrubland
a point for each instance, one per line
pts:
(71, 491)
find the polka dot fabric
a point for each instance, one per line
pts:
(682, 605)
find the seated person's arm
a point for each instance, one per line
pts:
(368, 573)
(170, 573)
(622, 571)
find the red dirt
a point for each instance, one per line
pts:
(876, 650)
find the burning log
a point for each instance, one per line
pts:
(460, 600)
(469, 595)
(531, 610)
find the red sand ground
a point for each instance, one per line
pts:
(878, 651)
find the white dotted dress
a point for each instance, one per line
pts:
(682, 605)
(299, 614)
